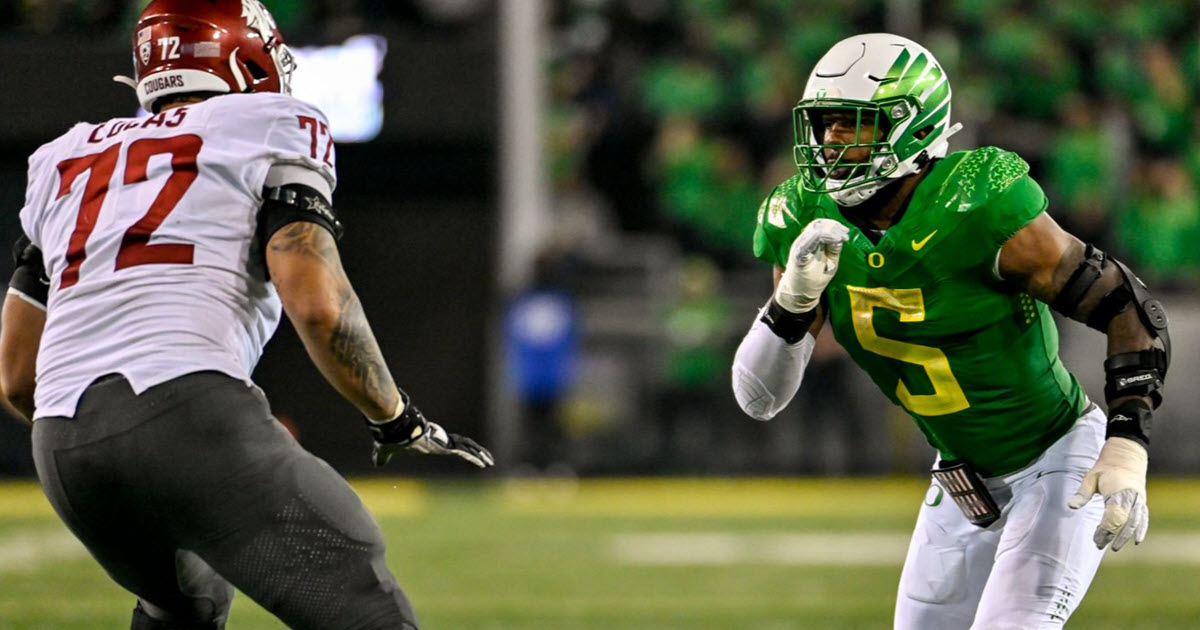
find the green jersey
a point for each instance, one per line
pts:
(924, 312)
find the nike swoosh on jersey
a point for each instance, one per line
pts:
(1042, 473)
(917, 245)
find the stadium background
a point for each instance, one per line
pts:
(550, 233)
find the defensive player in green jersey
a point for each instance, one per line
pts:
(936, 272)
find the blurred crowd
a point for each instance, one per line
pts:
(679, 112)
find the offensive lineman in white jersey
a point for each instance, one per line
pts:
(157, 257)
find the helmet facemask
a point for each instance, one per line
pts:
(839, 169)
(285, 64)
(878, 82)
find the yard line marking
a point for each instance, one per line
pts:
(837, 549)
(808, 549)
(30, 549)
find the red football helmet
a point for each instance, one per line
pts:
(207, 46)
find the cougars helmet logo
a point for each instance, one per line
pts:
(226, 46)
(144, 48)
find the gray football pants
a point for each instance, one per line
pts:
(193, 486)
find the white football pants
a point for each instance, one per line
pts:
(1030, 569)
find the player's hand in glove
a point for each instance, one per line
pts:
(1120, 477)
(410, 430)
(812, 262)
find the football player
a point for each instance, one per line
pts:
(158, 254)
(937, 273)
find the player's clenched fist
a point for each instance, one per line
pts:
(812, 262)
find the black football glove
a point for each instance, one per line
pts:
(410, 430)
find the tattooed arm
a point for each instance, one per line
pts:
(303, 260)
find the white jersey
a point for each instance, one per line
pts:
(147, 229)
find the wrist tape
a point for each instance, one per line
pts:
(1131, 419)
(788, 326)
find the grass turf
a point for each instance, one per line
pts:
(531, 555)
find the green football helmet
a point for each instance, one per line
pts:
(879, 81)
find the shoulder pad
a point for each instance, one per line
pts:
(260, 108)
(979, 176)
(295, 132)
(62, 143)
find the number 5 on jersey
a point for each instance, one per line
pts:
(135, 244)
(947, 396)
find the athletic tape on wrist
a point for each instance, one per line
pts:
(1131, 419)
(788, 326)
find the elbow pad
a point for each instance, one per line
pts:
(767, 371)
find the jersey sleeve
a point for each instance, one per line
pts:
(301, 147)
(764, 248)
(1012, 209)
(779, 222)
(38, 188)
(993, 188)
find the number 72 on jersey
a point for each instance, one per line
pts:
(135, 246)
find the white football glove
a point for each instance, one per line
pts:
(812, 261)
(1120, 477)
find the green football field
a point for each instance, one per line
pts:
(659, 554)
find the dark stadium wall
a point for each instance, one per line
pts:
(421, 268)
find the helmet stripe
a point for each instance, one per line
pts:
(914, 70)
(936, 92)
(938, 116)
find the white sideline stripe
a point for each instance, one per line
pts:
(24, 550)
(839, 549)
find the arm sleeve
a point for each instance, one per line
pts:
(767, 371)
